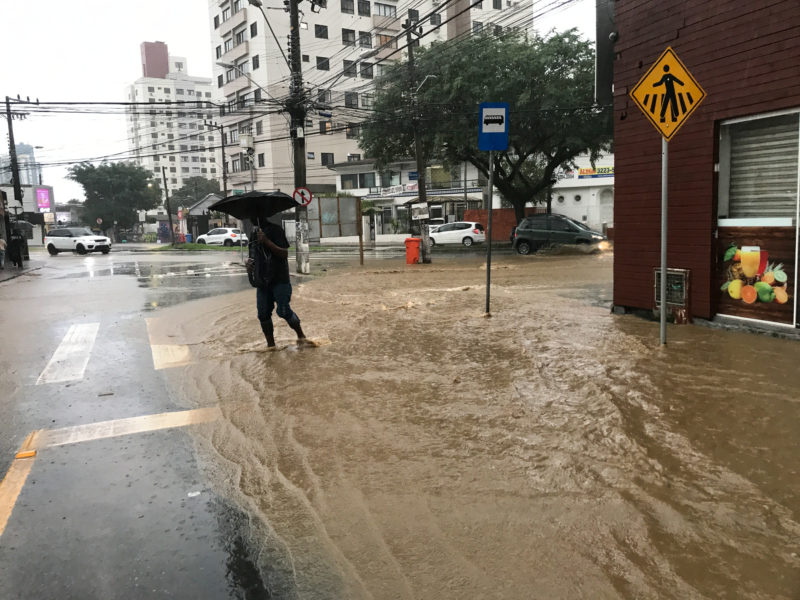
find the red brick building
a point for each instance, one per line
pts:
(733, 166)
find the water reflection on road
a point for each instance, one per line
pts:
(551, 451)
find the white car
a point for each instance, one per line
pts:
(223, 236)
(460, 232)
(75, 239)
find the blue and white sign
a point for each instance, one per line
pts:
(493, 126)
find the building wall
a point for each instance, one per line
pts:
(744, 55)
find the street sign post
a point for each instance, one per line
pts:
(492, 135)
(667, 94)
(302, 195)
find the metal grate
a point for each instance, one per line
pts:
(677, 287)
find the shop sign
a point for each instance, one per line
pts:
(589, 173)
(43, 199)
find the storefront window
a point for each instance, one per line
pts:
(349, 182)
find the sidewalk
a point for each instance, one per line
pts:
(10, 271)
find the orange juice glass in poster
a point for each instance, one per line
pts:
(751, 256)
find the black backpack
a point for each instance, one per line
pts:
(263, 270)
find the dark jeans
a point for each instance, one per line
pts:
(277, 294)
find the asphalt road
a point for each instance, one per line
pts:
(113, 504)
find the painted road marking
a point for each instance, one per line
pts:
(118, 427)
(13, 482)
(166, 356)
(72, 355)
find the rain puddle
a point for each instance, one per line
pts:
(551, 451)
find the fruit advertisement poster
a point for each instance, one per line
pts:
(756, 271)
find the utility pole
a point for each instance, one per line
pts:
(409, 26)
(220, 128)
(12, 153)
(166, 202)
(297, 110)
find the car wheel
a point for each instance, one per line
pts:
(105, 250)
(228, 243)
(524, 247)
(52, 250)
(80, 249)
(467, 241)
(201, 241)
(433, 242)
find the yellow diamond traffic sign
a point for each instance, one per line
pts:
(668, 94)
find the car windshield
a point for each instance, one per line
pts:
(77, 231)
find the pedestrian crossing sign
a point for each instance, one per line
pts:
(668, 94)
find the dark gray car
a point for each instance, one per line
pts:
(537, 231)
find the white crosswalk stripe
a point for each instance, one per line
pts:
(72, 355)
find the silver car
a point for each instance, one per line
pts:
(460, 232)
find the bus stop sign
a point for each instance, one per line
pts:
(493, 126)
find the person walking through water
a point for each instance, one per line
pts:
(669, 81)
(269, 273)
(15, 245)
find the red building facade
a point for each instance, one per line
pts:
(733, 166)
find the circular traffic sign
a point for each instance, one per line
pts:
(99, 221)
(302, 195)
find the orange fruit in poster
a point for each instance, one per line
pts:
(738, 256)
(749, 294)
(768, 277)
(781, 297)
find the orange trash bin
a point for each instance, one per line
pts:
(412, 251)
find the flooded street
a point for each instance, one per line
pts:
(553, 450)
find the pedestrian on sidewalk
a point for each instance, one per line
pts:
(15, 245)
(2, 253)
(268, 267)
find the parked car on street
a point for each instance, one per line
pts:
(460, 232)
(75, 239)
(223, 236)
(537, 231)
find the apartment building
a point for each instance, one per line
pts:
(172, 132)
(345, 47)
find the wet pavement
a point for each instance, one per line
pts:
(417, 450)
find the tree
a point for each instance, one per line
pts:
(115, 191)
(548, 83)
(193, 190)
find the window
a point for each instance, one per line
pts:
(497, 4)
(324, 127)
(173, 180)
(170, 146)
(385, 10)
(365, 39)
(236, 165)
(184, 148)
(306, 58)
(261, 160)
(436, 19)
(327, 158)
(348, 37)
(179, 66)
(364, 8)
(321, 31)
(237, 6)
(216, 22)
(256, 62)
(228, 44)
(323, 63)
(184, 169)
(171, 159)
(366, 70)
(353, 157)
(349, 68)
(497, 30)
(151, 89)
(253, 30)
(257, 95)
(259, 127)
(154, 135)
(366, 180)
(351, 99)
(352, 130)
(387, 41)
(173, 169)
(349, 182)
(477, 27)
(758, 168)
(309, 123)
(239, 36)
(367, 100)
(479, 5)
(167, 91)
(324, 96)
(195, 159)
(347, 7)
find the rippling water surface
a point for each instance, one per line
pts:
(551, 451)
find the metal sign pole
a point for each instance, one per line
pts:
(664, 163)
(489, 233)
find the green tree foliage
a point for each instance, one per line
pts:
(193, 190)
(548, 83)
(115, 191)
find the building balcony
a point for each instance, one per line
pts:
(235, 53)
(386, 23)
(235, 85)
(232, 23)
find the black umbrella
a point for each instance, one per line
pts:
(255, 206)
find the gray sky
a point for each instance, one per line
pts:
(88, 50)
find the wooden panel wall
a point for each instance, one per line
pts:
(745, 56)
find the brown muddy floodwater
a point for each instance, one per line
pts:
(552, 451)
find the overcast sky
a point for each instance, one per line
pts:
(88, 50)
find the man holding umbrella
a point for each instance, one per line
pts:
(268, 265)
(277, 293)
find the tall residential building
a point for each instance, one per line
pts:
(30, 171)
(171, 133)
(344, 47)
